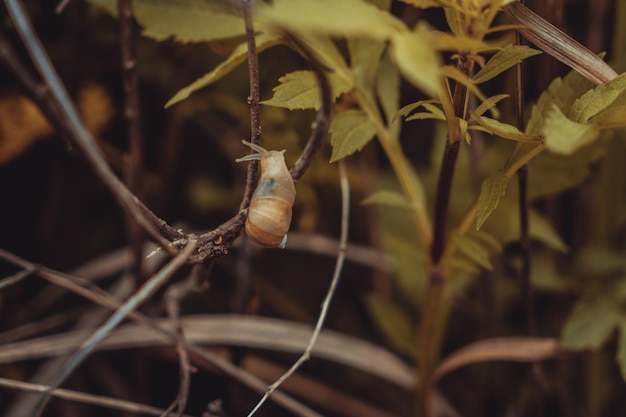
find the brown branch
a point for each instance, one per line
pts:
(134, 170)
(446, 172)
(254, 101)
(173, 296)
(142, 294)
(522, 179)
(113, 403)
(102, 298)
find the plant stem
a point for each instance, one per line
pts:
(434, 311)
(253, 100)
(134, 169)
(522, 179)
(430, 337)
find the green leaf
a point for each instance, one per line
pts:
(388, 89)
(491, 191)
(507, 131)
(475, 250)
(597, 99)
(504, 224)
(590, 324)
(365, 57)
(433, 112)
(327, 52)
(554, 173)
(184, 20)
(299, 90)
(542, 230)
(564, 136)
(489, 104)
(349, 132)
(395, 323)
(444, 41)
(455, 74)
(613, 115)
(562, 93)
(425, 116)
(502, 61)
(239, 55)
(404, 111)
(388, 198)
(331, 17)
(416, 58)
(454, 21)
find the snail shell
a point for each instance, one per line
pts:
(269, 214)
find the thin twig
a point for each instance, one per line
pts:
(121, 405)
(147, 290)
(253, 100)
(61, 6)
(173, 296)
(17, 277)
(94, 293)
(341, 256)
(134, 170)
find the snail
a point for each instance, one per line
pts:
(269, 214)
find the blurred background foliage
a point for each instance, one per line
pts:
(55, 212)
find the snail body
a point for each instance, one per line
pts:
(269, 214)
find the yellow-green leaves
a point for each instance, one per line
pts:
(432, 111)
(388, 198)
(565, 136)
(502, 61)
(571, 113)
(478, 247)
(239, 55)
(349, 132)
(332, 17)
(600, 312)
(504, 130)
(417, 59)
(183, 20)
(604, 106)
(299, 90)
(491, 191)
